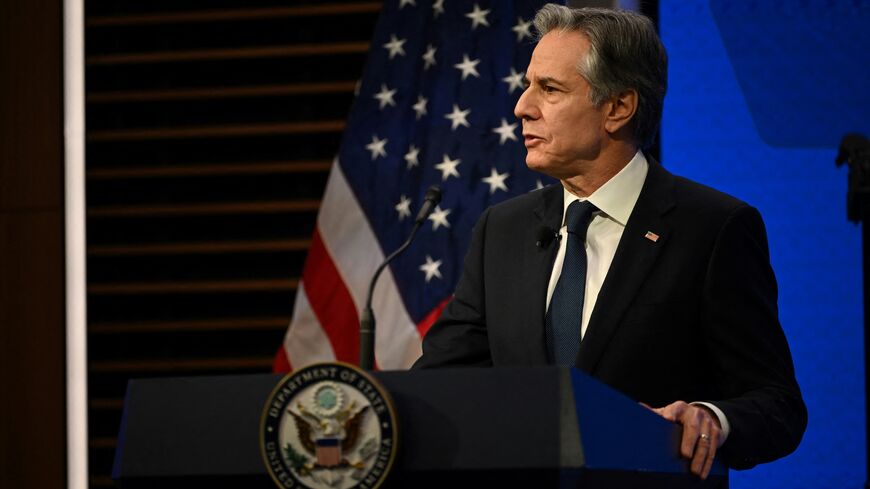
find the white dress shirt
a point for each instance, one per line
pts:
(615, 200)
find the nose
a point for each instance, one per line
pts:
(525, 108)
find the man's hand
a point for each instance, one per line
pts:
(701, 434)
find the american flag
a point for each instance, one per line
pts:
(434, 106)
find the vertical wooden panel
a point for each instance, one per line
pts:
(32, 330)
(30, 96)
(32, 350)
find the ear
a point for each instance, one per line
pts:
(619, 110)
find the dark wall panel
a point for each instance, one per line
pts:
(30, 105)
(32, 350)
(32, 329)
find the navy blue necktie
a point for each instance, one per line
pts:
(565, 313)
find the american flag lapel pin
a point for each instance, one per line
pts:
(651, 236)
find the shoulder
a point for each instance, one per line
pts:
(691, 193)
(699, 201)
(705, 213)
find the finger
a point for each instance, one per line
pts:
(691, 433)
(708, 443)
(699, 459)
(711, 454)
(689, 441)
(674, 411)
(704, 446)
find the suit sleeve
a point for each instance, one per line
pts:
(762, 400)
(459, 337)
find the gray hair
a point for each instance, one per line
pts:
(625, 53)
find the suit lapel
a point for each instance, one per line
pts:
(634, 258)
(547, 213)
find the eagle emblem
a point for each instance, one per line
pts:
(332, 431)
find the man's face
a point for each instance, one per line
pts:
(563, 131)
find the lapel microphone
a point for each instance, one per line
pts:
(545, 236)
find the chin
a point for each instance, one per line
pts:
(536, 164)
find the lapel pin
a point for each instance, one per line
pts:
(651, 236)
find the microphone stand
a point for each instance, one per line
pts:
(367, 319)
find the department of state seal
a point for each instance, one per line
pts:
(329, 425)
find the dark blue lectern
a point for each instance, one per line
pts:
(505, 427)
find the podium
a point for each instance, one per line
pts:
(498, 427)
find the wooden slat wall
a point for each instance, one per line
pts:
(210, 134)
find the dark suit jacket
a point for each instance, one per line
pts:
(691, 316)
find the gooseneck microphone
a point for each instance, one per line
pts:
(545, 236)
(367, 319)
(430, 200)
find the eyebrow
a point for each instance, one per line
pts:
(543, 80)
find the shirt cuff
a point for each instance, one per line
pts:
(723, 421)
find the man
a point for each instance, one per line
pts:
(656, 285)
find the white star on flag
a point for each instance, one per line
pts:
(478, 17)
(458, 117)
(438, 8)
(377, 147)
(385, 97)
(411, 156)
(495, 180)
(439, 218)
(514, 80)
(468, 67)
(402, 3)
(430, 268)
(506, 131)
(429, 57)
(404, 207)
(395, 46)
(522, 29)
(448, 167)
(420, 106)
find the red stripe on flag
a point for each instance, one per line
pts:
(427, 322)
(331, 301)
(281, 364)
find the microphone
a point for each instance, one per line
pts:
(430, 200)
(545, 236)
(367, 319)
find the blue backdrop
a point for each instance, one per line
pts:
(760, 94)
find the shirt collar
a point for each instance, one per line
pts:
(616, 198)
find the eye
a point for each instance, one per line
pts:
(548, 89)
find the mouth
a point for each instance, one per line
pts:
(531, 140)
